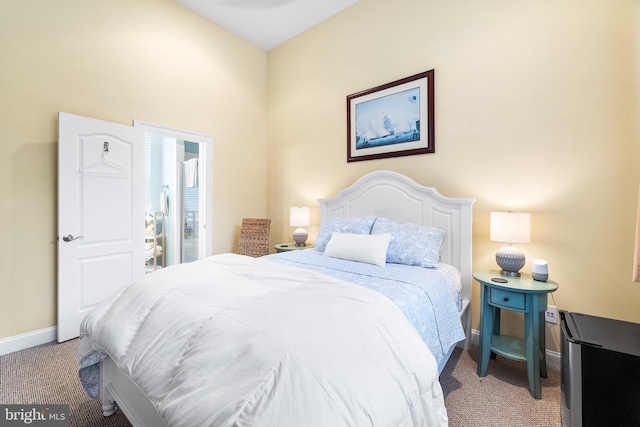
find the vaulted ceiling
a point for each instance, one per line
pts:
(267, 23)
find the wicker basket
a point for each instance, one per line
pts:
(254, 237)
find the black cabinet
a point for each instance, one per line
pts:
(600, 371)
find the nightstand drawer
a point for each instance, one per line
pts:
(507, 299)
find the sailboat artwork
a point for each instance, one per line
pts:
(391, 119)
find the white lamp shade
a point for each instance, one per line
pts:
(299, 217)
(510, 227)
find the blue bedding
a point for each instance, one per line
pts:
(429, 298)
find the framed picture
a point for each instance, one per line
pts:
(395, 119)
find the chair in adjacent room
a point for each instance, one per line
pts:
(254, 237)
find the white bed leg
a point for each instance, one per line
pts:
(466, 324)
(108, 402)
(108, 408)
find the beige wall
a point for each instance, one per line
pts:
(116, 60)
(536, 110)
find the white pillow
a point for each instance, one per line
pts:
(368, 248)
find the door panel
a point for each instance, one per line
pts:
(114, 203)
(101, 205)
(98, 275)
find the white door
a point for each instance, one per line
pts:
(100, 215)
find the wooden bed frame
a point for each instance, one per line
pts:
(382, 193)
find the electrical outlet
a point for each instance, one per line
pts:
(551, 315)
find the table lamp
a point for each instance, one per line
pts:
(510, 227)
(300, 217)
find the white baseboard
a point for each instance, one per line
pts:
(475, 338)
(553, 358)
(28, 340)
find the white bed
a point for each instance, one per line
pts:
(395, 196)
(124, 376)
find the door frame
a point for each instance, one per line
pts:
(206, 167)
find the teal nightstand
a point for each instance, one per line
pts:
(520, 294)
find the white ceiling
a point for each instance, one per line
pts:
(266, 23)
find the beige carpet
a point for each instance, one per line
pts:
(499, 399)
(47, 374)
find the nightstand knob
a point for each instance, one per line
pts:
(506, 299)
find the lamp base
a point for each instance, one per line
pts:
(300, 236)
(510, 273)
(510, 260)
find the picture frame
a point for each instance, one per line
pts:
(389, 120)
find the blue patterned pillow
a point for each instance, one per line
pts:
(342, 225)
(411, 244)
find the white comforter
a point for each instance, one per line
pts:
(238, 341)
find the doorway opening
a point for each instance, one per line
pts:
(177, 195)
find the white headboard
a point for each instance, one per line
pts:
(399, 198)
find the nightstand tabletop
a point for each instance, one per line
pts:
(284, 247)
(524, 283)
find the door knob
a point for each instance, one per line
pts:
(70, 238)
